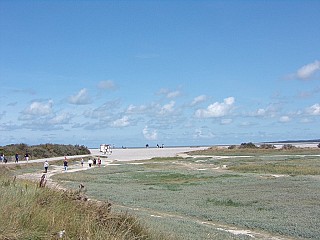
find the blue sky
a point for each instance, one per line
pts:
(130, 73)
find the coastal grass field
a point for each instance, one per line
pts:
(30, 212)
(215, 194)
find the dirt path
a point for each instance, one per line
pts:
(53, 170)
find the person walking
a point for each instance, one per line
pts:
(17, 158)
(82, 161)
(99, 162)
(27, 157)
(46, 166)
(90, 162)
(65, 164)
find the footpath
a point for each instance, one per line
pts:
(48, 159)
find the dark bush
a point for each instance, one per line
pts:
(232, 147)
(44, 150)
(267, 146)
(38, 151)
(288, 147)
(248, 145)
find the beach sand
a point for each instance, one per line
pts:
(130, 154)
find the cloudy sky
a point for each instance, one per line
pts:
(130, 73)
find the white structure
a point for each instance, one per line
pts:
(105, 148)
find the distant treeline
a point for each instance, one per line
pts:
(43, 150)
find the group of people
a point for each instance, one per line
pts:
(92, 162)
(46, 165)
(3, 159)
(65, 163)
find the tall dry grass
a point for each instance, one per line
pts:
(30, 212)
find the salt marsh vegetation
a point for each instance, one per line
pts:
(206, 196)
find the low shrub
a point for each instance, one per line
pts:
(44, 150)
(248, 145)
(288, 147)
(267, 146)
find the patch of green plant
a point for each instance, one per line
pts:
(163, 177)
(165, 159)
(227, 203)
(228, 175)
(218, 151)
(150, 178)
(172, 187)
(277, 169)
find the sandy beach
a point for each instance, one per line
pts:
(130, 154)
(127, 154)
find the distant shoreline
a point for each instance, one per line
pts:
(278, 144)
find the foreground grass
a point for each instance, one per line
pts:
(30, 212)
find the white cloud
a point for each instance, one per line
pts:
(60, 119)
(173, 94)
(122, 122)
(284, 119)
(81, 98)
(314, 110)
(107, 84)
(149, 135)
(261, 112)
(8, 127)
(216, 109)
(39, 108)
(136, 109)
(167, 108)
(198, 99)
(169, 94)
(308, 71)
(269, 111)
(199, 133)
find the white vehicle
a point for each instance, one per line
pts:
(105, 148)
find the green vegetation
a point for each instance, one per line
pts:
(272, 191)
(249, 149)
(275, 192)
(228, 203)
(277, 169)
(30, 212)
(43, 150)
